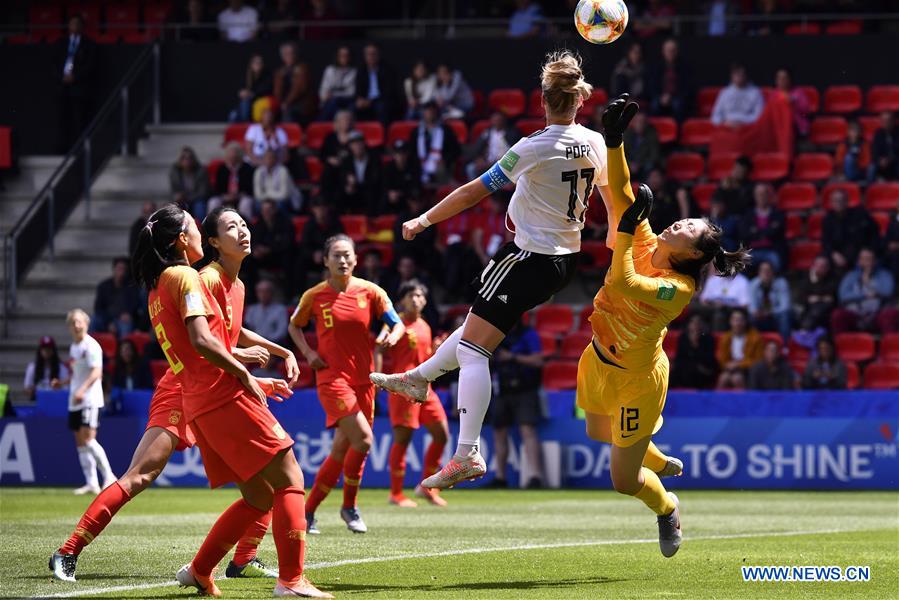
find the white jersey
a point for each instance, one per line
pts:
(554, 171)
(85, 355)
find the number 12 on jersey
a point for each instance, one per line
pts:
(571, 177)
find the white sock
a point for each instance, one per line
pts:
(475, 389)
(443, 361)
(88, 466)
(100, 456)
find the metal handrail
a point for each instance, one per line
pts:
(82, 148)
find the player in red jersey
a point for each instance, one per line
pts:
(405, 416)
(343, 307)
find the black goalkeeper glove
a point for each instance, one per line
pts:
(616, 117)
(636, 212)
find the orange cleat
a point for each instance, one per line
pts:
(431, 495)
(402, 501)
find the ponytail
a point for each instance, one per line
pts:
(563, 84)
(155, 249)
(726, 264)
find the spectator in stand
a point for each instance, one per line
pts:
(264, 136)
(234, 183)
(764, 228)
(375, 88)
(491, 145)
(721, 18)
(271, 181)
(526, 21)
(360, 179)
(629, 76)
(401, 179)
(720, 295)
(335, 149)
(273, 243)
(323, 224)
(267, 317)
(46, 371)
(238, 23)
(491, 232)
(641, 146)
(800, 105)
(735, 190)
(320, 10)
(405, 271)
(117, 302)
(845, 230)
(189, 183)
(825, 371)
(885, 150)
(595, 122)
(419, 87)
(817, 293)
(738, 349)
(863, 295)
(198, 28)
(436, 147)
(146, 211)
(293, 88)
(671, 84)
(891, 243)
(765, 21)
(772, 372)
(740, 103)
(853, 154)
(669, 204)
(279, 20)
(257, 85)
(807, 335)
(371, 267)
(424, 247)
(654, 20)
(461, 262)
(131, 373)
(338, 87)
(453, 95)
(74, 66)
(695, 365)
(769, 301)
(720, 215)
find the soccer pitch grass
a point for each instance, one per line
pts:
(486, 544)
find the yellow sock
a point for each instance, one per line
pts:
(655, 459)
(653, 494)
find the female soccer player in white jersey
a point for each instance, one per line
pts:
(555, 170)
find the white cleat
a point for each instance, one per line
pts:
(205, 585)
(63, 566)
(674, 468)
(669, 530)
(405, 384)
(87, 489)
(353, 519)
(302, 589)
(456, 471)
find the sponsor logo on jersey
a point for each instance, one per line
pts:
(503, 298)
(666, 291)
(509, 161)
(193, 301)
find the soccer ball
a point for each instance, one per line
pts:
(600, 21)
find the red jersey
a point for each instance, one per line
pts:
(178, 295)
(229, 295)
(342, 325)
(414, 347)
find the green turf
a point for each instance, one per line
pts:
(158, 532)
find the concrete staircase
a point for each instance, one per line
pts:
(91, 238)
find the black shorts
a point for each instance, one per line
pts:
(516, 408)
(515, 281)
(84, 417)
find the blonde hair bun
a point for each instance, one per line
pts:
(563, 83)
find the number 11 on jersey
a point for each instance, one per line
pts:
(571, 177)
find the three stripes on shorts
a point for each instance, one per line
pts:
(499, 273)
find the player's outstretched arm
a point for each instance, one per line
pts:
(459, 200)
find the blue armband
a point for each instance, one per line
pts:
(495, 178)
(390, 317)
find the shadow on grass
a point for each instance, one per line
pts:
(536, 584)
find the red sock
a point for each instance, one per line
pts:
(252, 537)
(432, 457)
(327, 477)
(96, 518)
(397, 468)
(353, 465)
(224, 534)
(289, 531)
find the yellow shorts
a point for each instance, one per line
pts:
(634, 401)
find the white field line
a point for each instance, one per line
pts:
(376, 559)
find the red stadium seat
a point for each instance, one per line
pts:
(769, 166)
(315, 168)
(669, 344)
(212, 168)
(882, 219)
(90, 11)
(549, 343)
(802, 254)
(598, 98)
(797, 352)
(294, 134)
(511, 102)
(382, 223)
(852, 191)
(316, 134)
(849, 27)
(235, 133)
(600, 257)
(158, 369)
(772, 336)
(812, 166)
(583, 319)
(299, 223)
(477, 129)
(529, 126)
(870, 125)
(480, 105)
(684, 166)
(705, 100)
(853, 377)
(720, 166)
(813, 96)
(573, 344)
(554, 317)
(400, 130)
(882, 98)
(828, 131)
(842, 99)
(122, 18)
(140, 339)
(882, 196)
(373, 132)
(535, 104)
(355, 226)
(155, 14)
(702, 193)
(560, 375)
(889, 347)
(459, 128)
(794, 226)
(882, 376)
(803, 29)
(107, 341)
(855, 346)
(45, 21)
(666, 128)
(383, 249)
(796, 196)
(696, 132)
(5, 147)
(815, 220)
